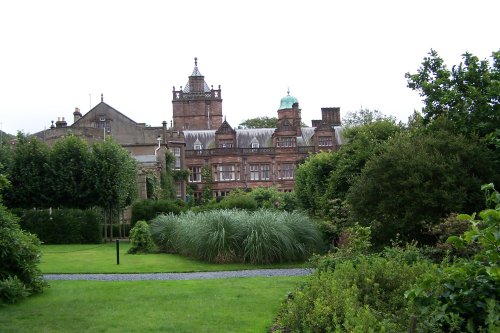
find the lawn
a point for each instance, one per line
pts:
(227, 305)
(101, 258)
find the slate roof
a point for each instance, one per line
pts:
(244, 137)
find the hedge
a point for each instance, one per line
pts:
(62, 226)
(147, 210)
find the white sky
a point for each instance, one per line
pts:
(53, 54)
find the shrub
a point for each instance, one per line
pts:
(262, 236)
(364, 293)
(147, 210)
(240, 201)
(140, 238)
(63, 226)
(463, 297)
(19, 256)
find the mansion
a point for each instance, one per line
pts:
(201, 139)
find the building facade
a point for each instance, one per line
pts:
(245, 158)
(203, 142)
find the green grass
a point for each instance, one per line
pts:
(226, 305)
(101, 258)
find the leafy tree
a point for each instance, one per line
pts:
(328, 176)
(362, 143)
(29, 174)
(19, 255)
(363, 117)
(467, 97)
(114, 179)
(310, 180)
(259, 122)
(6, 158)
(416, 179)
(69, 158)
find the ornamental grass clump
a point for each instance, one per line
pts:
(163, 232)
(223, 236)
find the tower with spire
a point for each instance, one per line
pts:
(196, 106)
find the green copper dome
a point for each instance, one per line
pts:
(287, 101)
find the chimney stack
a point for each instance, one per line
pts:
(76, 115)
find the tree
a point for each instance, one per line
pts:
(310, 180)
(29, 174)
(114, 179)
(362, 142)
(259, 122)
(69, 158)
(363, 117)
(327, 176)
(416, 179)
(19, 255)
(467, 97)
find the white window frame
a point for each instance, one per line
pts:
(195, 175)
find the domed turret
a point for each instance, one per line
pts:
(287, 101)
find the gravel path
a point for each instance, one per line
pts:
(181, 276)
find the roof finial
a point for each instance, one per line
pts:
(102, 97)
(196, 61)
(288, 91)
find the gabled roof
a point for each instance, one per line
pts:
(224, 128)
(101, 108)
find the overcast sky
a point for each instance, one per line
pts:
(58, 55)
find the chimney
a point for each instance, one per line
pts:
(61, 122)
(76, 115)
(331, 116)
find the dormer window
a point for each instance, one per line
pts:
(197, 145)
(254, 143)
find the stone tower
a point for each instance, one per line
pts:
(289, 114)
(197, 107)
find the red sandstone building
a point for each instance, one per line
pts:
(245, 158)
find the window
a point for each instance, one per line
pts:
(254, 172)
(195, 176)
(286, 142)
(225, 143)
(325, 141)
(176, 151)
(265, 171)
(226, 172)
(179, 189)
(259, 171)
(286, 171)
(198, 147)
